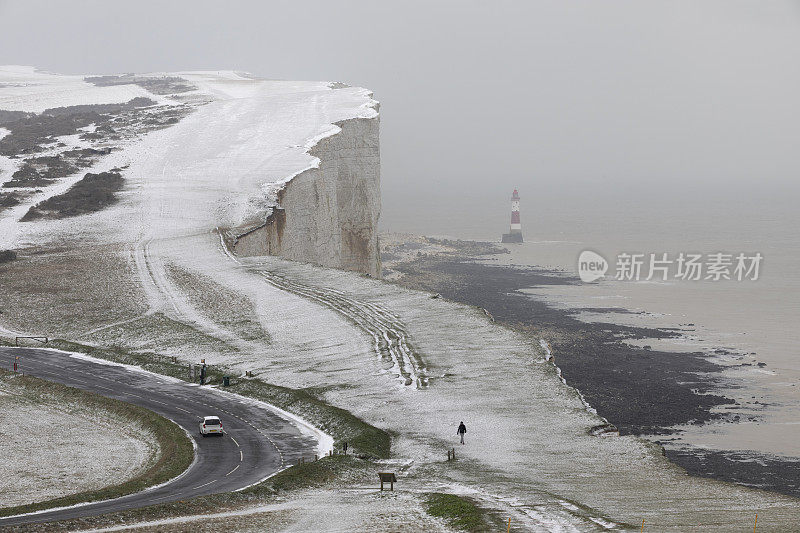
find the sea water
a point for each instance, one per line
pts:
(738, 323)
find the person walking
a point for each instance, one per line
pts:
(461, 430)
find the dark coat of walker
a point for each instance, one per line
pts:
(461, 430)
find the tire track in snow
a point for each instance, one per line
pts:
(387, 331)
(391, 341)
(165, 297)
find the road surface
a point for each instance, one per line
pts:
(258, 442)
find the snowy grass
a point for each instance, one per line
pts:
(175, 449)
(56, 448)
(459, 512)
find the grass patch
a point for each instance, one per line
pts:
(6, 256)
(363, 439)
(176, 451)
(154, 84)
(92, 193)
(31, 131)
(310, 474)
(459, 512)
(9, 199)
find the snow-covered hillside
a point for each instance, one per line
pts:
(245, 150)
(155, 271)
(26, 89)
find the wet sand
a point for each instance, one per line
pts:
(642, 391)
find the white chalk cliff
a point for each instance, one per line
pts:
(328, 215)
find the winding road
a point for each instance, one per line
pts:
(258, 441)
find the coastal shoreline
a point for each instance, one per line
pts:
(642, 391)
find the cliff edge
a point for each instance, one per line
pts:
(327, 215)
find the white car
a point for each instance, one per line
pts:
(211, 425)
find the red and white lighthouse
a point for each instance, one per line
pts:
(515, 233)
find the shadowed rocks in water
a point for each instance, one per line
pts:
(746, 468)
(640, 391)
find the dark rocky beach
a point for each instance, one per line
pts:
(640, 390)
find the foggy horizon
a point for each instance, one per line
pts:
(564, 101)
(337, 290)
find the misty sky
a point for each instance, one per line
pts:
(569, 101)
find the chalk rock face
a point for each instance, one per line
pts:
(329, 215)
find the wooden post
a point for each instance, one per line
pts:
(391, 485)
(381, 484)
(756, 523)
(642, 525)
(509, 525)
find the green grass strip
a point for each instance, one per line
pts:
(459, 512)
